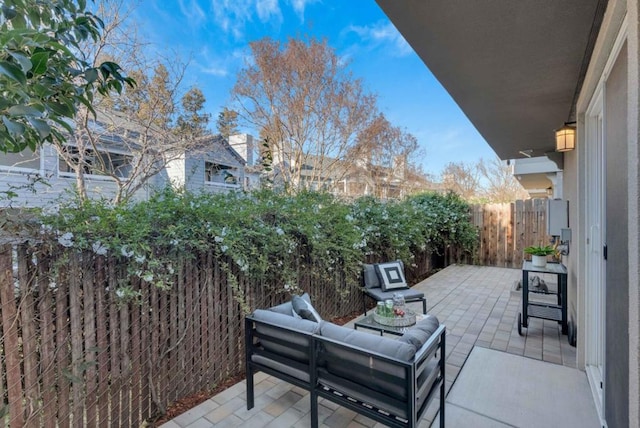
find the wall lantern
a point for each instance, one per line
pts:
(566, 137)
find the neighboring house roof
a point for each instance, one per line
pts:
(218, 150)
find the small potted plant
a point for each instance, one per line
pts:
(539, 254)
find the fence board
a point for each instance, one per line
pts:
(89, 312)
(47, 347)
(102, 336)
(506, 229)
(26, 281)
(11, 349)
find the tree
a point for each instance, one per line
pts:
(306, 105)
(134, 136)
(462, 179)
(43, 75)
(227, 122)
(386, 154)
(192, 123)
(501, 186)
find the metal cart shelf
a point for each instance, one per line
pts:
(539, 309)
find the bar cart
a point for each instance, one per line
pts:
(548, 311)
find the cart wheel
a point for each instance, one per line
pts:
(520, 323)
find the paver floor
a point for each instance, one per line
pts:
(477, 305)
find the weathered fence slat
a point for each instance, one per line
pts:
(10, 319)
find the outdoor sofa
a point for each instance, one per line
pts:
(391, 381)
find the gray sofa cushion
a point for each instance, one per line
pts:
(421, 331)
(293, 335)
(304, 309)
(362, 369)
(286, 308)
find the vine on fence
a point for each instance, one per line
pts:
(268, 236)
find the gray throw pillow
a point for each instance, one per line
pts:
(304, 309)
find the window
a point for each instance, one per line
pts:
(96, 163)
(217, 173)
(25, 161)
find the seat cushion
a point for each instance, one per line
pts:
(408, 293)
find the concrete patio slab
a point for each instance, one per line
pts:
(521, 392)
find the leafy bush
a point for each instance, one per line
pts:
(268, 236)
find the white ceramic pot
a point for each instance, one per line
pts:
(539, 261)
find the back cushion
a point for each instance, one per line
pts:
(286, 308)
(373, 373)
(289, 336)
(421, 332)
(370, 276)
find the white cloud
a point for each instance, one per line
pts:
(232, 15)
(192, 11)
(269, 10)
(299, 7)
(380, 34)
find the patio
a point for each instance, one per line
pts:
(506, 380)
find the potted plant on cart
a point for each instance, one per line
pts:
(539, 254)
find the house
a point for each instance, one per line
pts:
(36, 179)
(520, 70)
(212, 166)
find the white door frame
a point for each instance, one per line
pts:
(595, 269)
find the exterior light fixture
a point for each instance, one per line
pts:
(566, 137)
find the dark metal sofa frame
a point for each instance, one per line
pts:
(433, 348)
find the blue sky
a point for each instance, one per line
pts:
(215, 35)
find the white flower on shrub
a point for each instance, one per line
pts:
(120, 293)
(99, 249)
(175, 242)
(148, 277)
(223, 232)
(45, 228)
(53, 284)
(287, 287)
(170, 269)
(224, 248)
(348, 217)
(66, 240)
(125, 251)
(218, 239)
(279, 231)
(140, 258)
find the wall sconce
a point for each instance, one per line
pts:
(566, 137)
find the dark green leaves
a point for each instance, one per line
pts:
(39, 69)
(13, 72)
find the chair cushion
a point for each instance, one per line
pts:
(421, 332)
(370, 276)
(391, 275)
(409, 294)
(304, 309)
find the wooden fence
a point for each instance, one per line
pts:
(75, 352)
(505, 230)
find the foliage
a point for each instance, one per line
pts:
(193, 122)
(483, 181)
(266, 235)
(43, 76)
(227, 122)
(305, 102)
(539, 250)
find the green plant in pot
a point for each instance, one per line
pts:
(539, 254)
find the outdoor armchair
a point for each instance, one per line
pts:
(382, 280)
